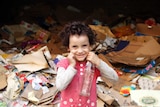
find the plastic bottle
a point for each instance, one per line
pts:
(88, 78)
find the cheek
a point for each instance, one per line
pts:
(72, 50)
(86, 51)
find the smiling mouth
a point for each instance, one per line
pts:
(80, 56)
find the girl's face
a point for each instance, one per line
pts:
(79, 46)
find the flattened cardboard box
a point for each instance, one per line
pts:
(143, 28)
(136, 53)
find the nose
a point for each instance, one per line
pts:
(79, 50)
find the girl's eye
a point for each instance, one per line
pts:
(74, 46)
(84, 45)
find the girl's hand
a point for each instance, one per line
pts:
(71, 59)
(93, 58)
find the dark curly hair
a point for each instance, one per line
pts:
(79, 28)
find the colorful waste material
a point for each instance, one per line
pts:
(141, 71)
(125, 90)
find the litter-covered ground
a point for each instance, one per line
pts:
(29, 53)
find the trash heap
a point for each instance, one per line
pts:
(29, 54)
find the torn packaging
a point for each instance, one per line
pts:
(38, 97)
(14, 86)
(31, 62)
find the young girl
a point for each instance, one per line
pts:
(71, 73)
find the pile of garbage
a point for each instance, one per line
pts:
(29, 55)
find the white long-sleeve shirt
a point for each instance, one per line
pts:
(65, 75)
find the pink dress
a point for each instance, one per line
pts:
(70, 97)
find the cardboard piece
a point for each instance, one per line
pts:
(136, 53)
(149, 48)
(3, 79)
(102, 31)
(151, 31)
(103, 94)
(100, 103)
(106, 98)
(31, 62)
